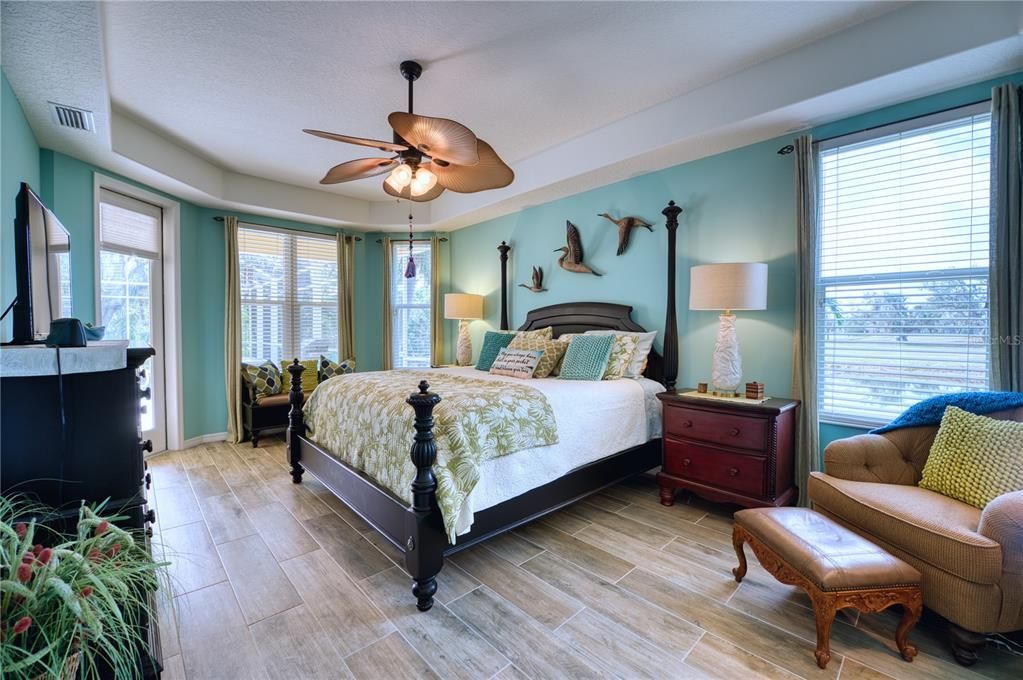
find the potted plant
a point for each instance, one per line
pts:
(71, 605)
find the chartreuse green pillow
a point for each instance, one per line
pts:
(493, 343)
(586, 357)
(974, 458)
(310, 379)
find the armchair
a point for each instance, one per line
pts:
(971, 560)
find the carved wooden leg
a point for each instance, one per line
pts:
(424, 590)
(824, 613)
(911, 611)
(966, 644)
(738, 538)
(255, 440)
(667, 496)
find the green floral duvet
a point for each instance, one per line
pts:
(363, 420)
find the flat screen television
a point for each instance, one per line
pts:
(42, 251)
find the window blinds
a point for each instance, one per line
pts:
(129, 226)
(289, 286)
(903, 265)
(411, 302)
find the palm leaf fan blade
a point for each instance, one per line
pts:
(490, 173)
(360, 141)
(440, 138)
(360, 168)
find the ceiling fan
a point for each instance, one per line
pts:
(431, 155)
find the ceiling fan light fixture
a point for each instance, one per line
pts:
(422, 181)
(400, 177)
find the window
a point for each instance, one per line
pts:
(411, 304)
(131, 290)
(288, 294)
(902, 287)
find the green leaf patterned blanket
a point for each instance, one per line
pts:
(363, 420)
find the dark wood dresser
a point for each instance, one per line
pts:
(77, 437)
(724, 452)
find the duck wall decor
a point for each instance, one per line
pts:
(625, 226)
(571, 259)
(537, 286)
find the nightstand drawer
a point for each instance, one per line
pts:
(735, 471)
(717, 428)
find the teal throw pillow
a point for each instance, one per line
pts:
(586, 358)
(493, 343)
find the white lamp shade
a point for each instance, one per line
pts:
(733, 285)
(463, 306)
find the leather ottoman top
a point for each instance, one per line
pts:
(826, 553)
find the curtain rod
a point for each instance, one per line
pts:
(894, 122)
(220, 218)
(442, 239)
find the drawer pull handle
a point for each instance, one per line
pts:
(733, 472)
(734, 432)
(686, 462)
(687, 423)
(147, 445)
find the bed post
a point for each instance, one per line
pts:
(670, 322)
(296, 424)
(424, 548)
(504, 248)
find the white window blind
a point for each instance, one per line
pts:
(902, 287)
(129, 226)
(411, 302)
(288, 294)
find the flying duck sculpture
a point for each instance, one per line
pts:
(571, 259)
(625, 227)
(537, 286)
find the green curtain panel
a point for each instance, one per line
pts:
(345, 297)
(436, 306)
(804, 340)
(232, 331)
(1006, 287)
(385, 331)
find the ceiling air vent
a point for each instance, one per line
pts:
(70, 117)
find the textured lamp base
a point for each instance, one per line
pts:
(464, 355)
(726, 370)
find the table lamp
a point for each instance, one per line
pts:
(727, 287)
(464, 307)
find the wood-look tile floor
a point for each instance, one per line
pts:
(275, 580)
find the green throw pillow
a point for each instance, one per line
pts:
(974, 458)
(586, 357)
(310, 376)
(328, 368)
(493, 343)
(262, 380)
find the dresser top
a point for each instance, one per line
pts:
(772, 406)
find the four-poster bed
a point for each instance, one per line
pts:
(417, 529)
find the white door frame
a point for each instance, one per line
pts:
(171, 284)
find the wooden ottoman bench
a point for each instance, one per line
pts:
(836, 567)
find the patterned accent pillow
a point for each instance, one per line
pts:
(552, 350)
(586, 358)
(493, 343)
(547, 332)
(622, 351)
(310, 376)
(517, 363)
(328, 368)
(645, 343)
(262, 380)
(974, 458)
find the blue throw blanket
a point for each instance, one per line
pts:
(930, 411)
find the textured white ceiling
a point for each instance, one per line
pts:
(236, 81)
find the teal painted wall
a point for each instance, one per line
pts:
(19, 162)
(738, 207)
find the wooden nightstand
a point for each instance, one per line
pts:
(725, 452)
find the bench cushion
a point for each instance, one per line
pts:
(824, 552)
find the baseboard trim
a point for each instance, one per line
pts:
(204, 439)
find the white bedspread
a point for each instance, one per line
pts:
(595, 419)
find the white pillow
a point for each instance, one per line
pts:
(645, 344)
(517, 363)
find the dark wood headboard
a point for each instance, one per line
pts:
(579, 317)
(576, 317)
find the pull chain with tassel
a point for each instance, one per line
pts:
(410, 268)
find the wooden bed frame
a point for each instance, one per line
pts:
(418, 530)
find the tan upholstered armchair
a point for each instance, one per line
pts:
(971, 560)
